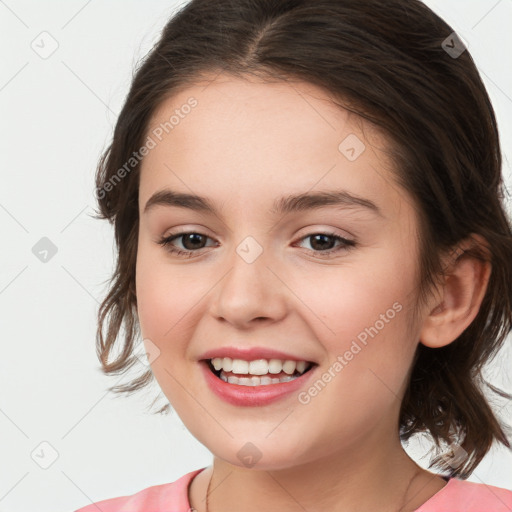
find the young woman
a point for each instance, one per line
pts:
(313, 246)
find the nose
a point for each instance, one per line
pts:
(251, 290)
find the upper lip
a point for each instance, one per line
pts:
(251, 354)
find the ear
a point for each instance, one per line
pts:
(459, 296)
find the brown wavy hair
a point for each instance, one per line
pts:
(386, 62)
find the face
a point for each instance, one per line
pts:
(330, 280)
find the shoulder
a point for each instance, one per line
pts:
(463, 496)
(170, 497)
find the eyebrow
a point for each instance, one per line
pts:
(287, 204)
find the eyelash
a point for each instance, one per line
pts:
(347, 245)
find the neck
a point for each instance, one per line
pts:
(358, 479)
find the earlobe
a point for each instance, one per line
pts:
(461, 293)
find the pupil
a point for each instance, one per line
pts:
(315, 238)
(192, 236)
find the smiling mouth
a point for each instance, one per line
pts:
(259, 372)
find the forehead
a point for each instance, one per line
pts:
(255, 140)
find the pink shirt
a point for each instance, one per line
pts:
(455, 496)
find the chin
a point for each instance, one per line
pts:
(258, 452)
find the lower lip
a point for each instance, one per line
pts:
(252, 395)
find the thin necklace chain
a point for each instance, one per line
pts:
(399, 510)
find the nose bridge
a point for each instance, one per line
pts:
(249, 289)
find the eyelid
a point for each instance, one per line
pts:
(318, 228)
(182, 230)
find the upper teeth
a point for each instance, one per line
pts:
(258, 366)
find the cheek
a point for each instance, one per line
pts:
(152, 299)
(362, 313)
(162, 299)
(166, 294)
(164, 303)
(369, 350)
(346, 300)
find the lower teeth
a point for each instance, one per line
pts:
(256, 381)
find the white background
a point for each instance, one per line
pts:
(56, 116)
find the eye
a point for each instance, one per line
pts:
(190, 241)
(193, 242)
(323, 247)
